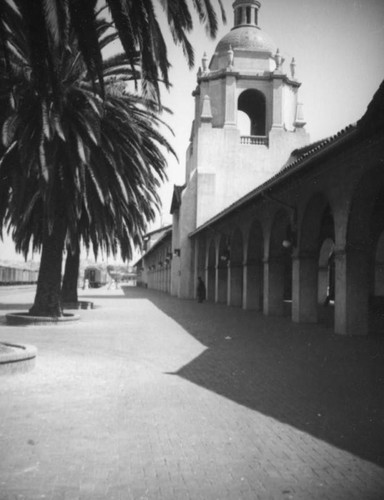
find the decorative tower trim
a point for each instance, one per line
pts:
(230, 58)
(299, 120)
(206, 112)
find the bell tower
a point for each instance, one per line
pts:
(248, 119)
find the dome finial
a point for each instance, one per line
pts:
(293, 68)
(204, 62)
(230, 58)
(278, 60)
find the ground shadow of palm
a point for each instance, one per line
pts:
(16, 307)
(327, 385)
(12, 307)
(95, 297)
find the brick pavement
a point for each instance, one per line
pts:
(150, 397)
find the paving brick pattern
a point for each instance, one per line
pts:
(154, 398)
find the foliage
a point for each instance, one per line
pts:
(103, 155)
(49, 23)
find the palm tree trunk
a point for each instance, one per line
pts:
(71, 275)
(48, 293)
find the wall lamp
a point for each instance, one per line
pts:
(226, 256)
(176, 252)
(290, 239)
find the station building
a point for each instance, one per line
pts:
(270, 221)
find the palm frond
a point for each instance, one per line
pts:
(84, 22)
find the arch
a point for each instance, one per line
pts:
(326, 273)
(364, 202)
(313, 276)
(222, 269)
(236, 269)
(211, 271)
(376, 267)
(278, 270)
(317, 224)
(356, 265)
(254, 267)
(252, 103)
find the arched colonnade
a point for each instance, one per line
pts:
(321, 259)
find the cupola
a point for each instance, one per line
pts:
(247, 41)
(246, 12)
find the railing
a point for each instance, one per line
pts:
(260, 140)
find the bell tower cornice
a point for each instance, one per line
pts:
(244, 75)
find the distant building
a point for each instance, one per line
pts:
(268, 220)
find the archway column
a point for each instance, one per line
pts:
(351, 291)
(222, 285)
(210, 283)
(216, 284)
(235, 280)
(253, 286)
(304, 288)
(274, 287)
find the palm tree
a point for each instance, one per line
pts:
(116, 228)
(52, 124)
(48, 23)
(77, 166)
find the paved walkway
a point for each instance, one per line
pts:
(150, 397)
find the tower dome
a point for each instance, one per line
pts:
(245, 36)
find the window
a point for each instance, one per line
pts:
(248, 15)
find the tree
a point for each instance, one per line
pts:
(48, 23)
(118, 226)
(80, 167)
(52, 125)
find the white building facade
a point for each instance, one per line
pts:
(248, 119)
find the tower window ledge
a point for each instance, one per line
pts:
(259, 140)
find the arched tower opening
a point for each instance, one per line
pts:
(252, 103)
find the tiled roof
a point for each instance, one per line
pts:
(159, 230)
(167, 231)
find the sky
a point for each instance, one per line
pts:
(338, 46)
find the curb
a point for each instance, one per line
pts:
(17, 358)
(26, 319)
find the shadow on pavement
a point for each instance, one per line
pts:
(19, 307)
(327, 385)
(95, 297)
